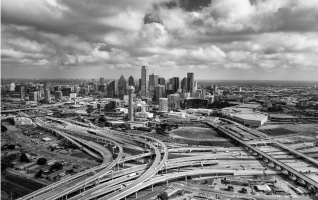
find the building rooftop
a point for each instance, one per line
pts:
(282, 116)
(251, 116)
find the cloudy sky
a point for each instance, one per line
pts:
(218, 39)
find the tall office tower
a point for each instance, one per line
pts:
(111, 89)
(203, 93)
(47, 85)
(77, 89)
(163, 104)
(190, 81)
(131, 90)
(116, 87)
(47, 95)
(175, 83)
(131, 81)
(33, 96)
(22, 92)
(161, 81)
(160, 91)
(215, 87)
(144, 81)
(174, 101)
(194, 88)
(122, 87)
(184, 84)
(58, 95)
(153, 82)
(66, 92)
(140, 83)
(101, 81)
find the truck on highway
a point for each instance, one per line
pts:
(132, 174)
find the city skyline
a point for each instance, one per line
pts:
(217, 40)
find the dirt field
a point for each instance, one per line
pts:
(292, 133)
(194, 132)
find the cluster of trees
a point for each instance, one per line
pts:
(163, 128)
(6, 161)
(163, 196)
(24, 158)
(3, 128)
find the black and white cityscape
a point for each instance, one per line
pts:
(159, 99)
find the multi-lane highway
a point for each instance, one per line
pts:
(107, 182)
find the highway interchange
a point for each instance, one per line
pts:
(119, 179)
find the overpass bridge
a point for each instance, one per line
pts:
(310, 183)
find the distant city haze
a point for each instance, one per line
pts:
(216, 40)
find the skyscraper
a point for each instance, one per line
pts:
(122, 88)
(153, 82)
(131, 90)
(101, 81)
(111, 89)
(47, 92)
(131, 81)
(33, 96)
(140, 83)
(174, 101)
(161, 81)
(194, 88)
(22, 92)
(159, 92)
(190, 82)
(144, 82)
(184, 84)
(175, 83)
(163, 104)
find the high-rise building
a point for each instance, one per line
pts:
(22, 92)
(174, 101)
(184, 84)
(58, 95)
(140, 82)
(101, 81)
(47, 95)
(33, 96)
(111, 89)
(153, 82)
(161, 81)
(144, 81)
(122, 86)
(175, 83)
(66, 92)
(159, 93)
(215, 87)
(190, 82)
(163, 104)
(194, 88)
(131, 90)
(131, 81)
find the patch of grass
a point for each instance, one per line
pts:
(279, 132)
(24, 182)
(195, 132)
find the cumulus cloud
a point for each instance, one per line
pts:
(205, 35)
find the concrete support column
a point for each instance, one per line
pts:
(152, 188)
(186, 178)
(167, 182)
(136, 194)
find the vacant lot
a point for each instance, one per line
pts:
(194, 132)
(278, 132)
(292, 133)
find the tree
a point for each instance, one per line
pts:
(163, 196)
(57, 166)
(3, 128)
(39, 174)
(41, 161)
(11, 146)
(24, 158)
